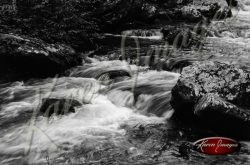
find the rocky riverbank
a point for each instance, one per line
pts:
(80, 25)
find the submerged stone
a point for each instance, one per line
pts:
(56, 106)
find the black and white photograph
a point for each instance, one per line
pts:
(124, 82)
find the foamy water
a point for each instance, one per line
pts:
(99, 118)
(153, 34)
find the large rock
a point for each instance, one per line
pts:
(215, 93)
(223, 116)
(232, 3)
(213, 9)
(194, 10)
(56, 106)
(25, 57)
(184, 37)
(105, 72)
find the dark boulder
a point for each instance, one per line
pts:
(191, 13)
(229, 82)
(114, 75)
(101, 72)
(184, 37)
(223, 116)
(212, 104)
(55, 106)
(214, 93)
(194, 10)
(232, 3)
(212, 9)
(24, 57)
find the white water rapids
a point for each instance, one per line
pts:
(98, 120)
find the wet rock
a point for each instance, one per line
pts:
(24, 57)
(102, 73)
(223, 115)
(232, 3)
(196, 10)
(213, 9)
(56, 106)
(114, 76)
(185, 149)
(183, 37)
(214, 92)
(229, 82)
(177, 64)
(105, 71)
(212, 104)
(191, 13)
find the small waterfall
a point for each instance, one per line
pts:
(26, 133)
(149, 93)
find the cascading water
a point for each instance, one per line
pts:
(125, 111)
(99, 119)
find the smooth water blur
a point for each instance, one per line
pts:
(25, 133)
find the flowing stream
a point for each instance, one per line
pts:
(124, 118)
